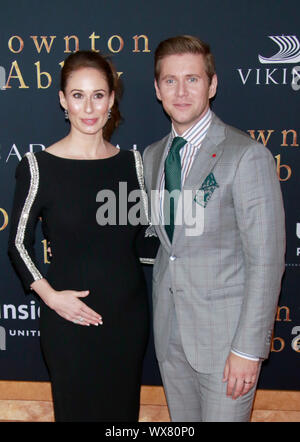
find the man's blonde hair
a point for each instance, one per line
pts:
(184, 44)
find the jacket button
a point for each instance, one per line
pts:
(171, 291)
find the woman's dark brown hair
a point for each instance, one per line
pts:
(91, 59)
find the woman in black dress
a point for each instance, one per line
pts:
(94, 308)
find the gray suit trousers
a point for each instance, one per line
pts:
(198, 397)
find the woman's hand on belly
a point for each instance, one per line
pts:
(67, 303)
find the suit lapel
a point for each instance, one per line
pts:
(209, 153)
(205, 160)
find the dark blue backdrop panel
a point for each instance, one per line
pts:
(255, 94)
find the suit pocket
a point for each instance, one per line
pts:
(225, 310)
(226, 296)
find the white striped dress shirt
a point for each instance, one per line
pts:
(194, 137)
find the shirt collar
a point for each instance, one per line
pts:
(195, 134)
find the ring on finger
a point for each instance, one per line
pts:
(246, 382)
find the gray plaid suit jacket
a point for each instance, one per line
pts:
(225, 282)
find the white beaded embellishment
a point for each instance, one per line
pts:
(140, 176)
(19, 241)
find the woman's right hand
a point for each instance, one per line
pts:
(67, 304)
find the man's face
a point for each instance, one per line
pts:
(184, 90)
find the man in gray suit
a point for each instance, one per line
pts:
(215, 283)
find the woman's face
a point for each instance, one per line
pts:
(87, 100)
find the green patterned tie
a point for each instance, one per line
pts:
(172, 182)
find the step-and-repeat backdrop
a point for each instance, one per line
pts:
(257, 49)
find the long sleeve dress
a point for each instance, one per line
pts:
(95, 371)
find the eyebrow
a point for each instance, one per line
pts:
(174, 76)
(80, 90)
(168, 76)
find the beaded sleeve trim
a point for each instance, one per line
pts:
(19, 241)
(140, 176)
(150, 261)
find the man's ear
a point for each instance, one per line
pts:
(157, 90)
(213, 86)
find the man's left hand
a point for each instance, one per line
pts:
(240, 375)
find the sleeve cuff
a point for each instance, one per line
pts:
(245, 355)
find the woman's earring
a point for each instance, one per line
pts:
(66, 114)
(109, 113)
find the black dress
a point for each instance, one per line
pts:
(95, 371)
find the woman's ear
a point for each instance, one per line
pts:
(62, 99)
(111, 99)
